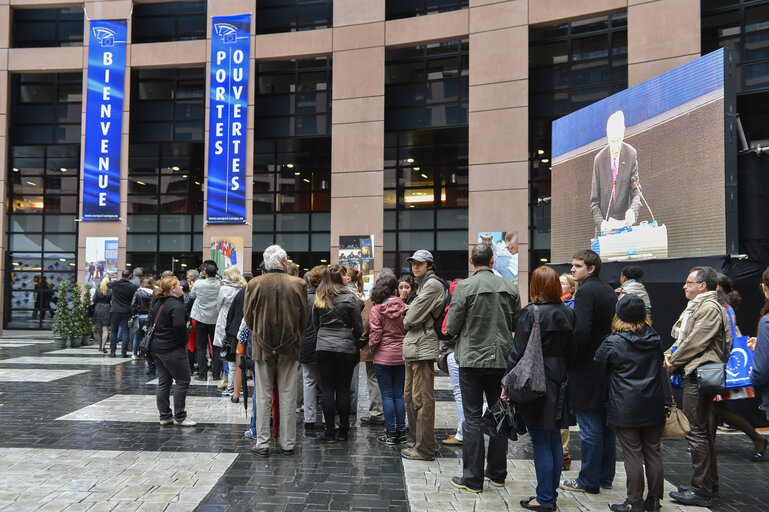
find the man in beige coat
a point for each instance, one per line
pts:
(698, 332)
(276, 310)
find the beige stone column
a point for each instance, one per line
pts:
(118, 9)
(229, 230)
(662, 35)
(357, 123)
(498, 124)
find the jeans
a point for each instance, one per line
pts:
(336, 371)
(454, 376)
(204, 335)
(475, 383)
(701, 437)
(253, 412)
(598, 449)
(311, 391)
(391, 379)
(548, 459)
(172, 365)
(139, 333)
(119, 321)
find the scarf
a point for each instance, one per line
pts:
(680, 326)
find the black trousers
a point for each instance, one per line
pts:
(172, 365)
(701, 438)
(119, 321)
(204, 337)
(474, 384)
(335, 369)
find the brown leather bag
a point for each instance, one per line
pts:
(676, 424)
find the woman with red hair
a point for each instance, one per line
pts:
(545, 416)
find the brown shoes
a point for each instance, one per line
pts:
(452, 441)
(412, 454)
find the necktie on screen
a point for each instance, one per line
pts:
(614, 178)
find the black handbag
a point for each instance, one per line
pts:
(527, 381)
(145, 345)
(711, 377)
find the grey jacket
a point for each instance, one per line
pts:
(338, 327)
(633, 287)
(205, 292)
(421, 341)
(227, 292)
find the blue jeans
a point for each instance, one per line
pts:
(548, 460)
(139, 333)
(119, 325)
(451, 362)
(391, 379)
(598, 449)
(253, 413)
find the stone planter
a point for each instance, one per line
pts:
(60, 342)
(75, 341)
(86, 340)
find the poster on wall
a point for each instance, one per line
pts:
(505, 247)
(104, 120)
(226, 251)
(100, 259)
(358, 252)
(230, 43)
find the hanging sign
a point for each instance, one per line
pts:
(104, 120)
(230, 41)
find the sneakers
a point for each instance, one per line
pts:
(494, 483)
(223, 384)
(572, 485)
(402, 437)
(249, 434)
(169, 421)
(412, 454)
(134, 357)
(457, 482)
(367, 421)
(452, 441)
(390, 438)
(186, 422)
(226, 392)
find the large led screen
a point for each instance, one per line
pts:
(641, 174)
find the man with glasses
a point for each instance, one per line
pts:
(698, 333)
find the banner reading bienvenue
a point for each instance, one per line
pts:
(230, 40)
(104, 120)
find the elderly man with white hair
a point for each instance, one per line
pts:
(276, 310)
(615, 198)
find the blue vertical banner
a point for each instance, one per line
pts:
(230, 44)
(104, 120)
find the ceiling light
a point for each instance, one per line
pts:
(416, 168)
(63, 169)
(290, 166)
(140, 182)
(297, 173)
(62, 259)
(71, 264)
(197, 183)
(184, 175)
(174, 168)
(424, 176)
(306, 180)
(543, 260)
(323, 261)
(30, 183)
(540, 151)
(410, 160)
(15, 169)
(184, 265)
(545, 160)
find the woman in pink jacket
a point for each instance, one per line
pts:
(386, 341)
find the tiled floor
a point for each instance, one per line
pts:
(79, 432)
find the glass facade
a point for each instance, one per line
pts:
(165, 177)
(425, 160)
(42, 186)
(571, 65)
(292, 159)
(273, 16)
(396, 9)
(168, 21)
(40, 28)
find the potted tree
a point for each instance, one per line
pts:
(86, 328)
(61, 319)
(78, 314)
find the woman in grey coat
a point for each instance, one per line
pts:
(229, 287)
(205, 292)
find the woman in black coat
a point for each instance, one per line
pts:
(545, 416)
(169, 345)
(632, 357)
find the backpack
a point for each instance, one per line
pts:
(438, 321)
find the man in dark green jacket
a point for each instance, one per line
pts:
(483, 315)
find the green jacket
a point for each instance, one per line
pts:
(421, 341)
(483, 315)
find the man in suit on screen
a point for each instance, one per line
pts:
(615, 197)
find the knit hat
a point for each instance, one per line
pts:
(631, 308)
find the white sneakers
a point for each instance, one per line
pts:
(186, 422)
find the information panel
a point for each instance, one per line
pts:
(230, 40)
(104, 120)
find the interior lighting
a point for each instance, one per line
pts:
(30, 183)
(323, 261)
(184, 175)
(174, 168)
(543, 260)
(540, 151)
(71, 264)
(297, 173)
(424, 176)
(62, 259)
(63, 169)
(306, 180)
(290, 166)
(184, 265)
(545, 160)
(140, 182)
(197, 183)
(410, 160)
(15, 169)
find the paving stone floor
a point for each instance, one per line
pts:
(79, 432)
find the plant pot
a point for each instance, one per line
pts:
(60, 342)
(75, 341)
(86, 340)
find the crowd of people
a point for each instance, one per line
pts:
(603, 363)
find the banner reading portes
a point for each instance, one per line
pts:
(230, 39)
(104, 120)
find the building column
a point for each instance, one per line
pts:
(499, 124)
(5, 15)
(357, 123)
(246, 230)
(119, 9)
(649, 54)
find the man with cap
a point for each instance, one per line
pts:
(631, 356)
(420, 350)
